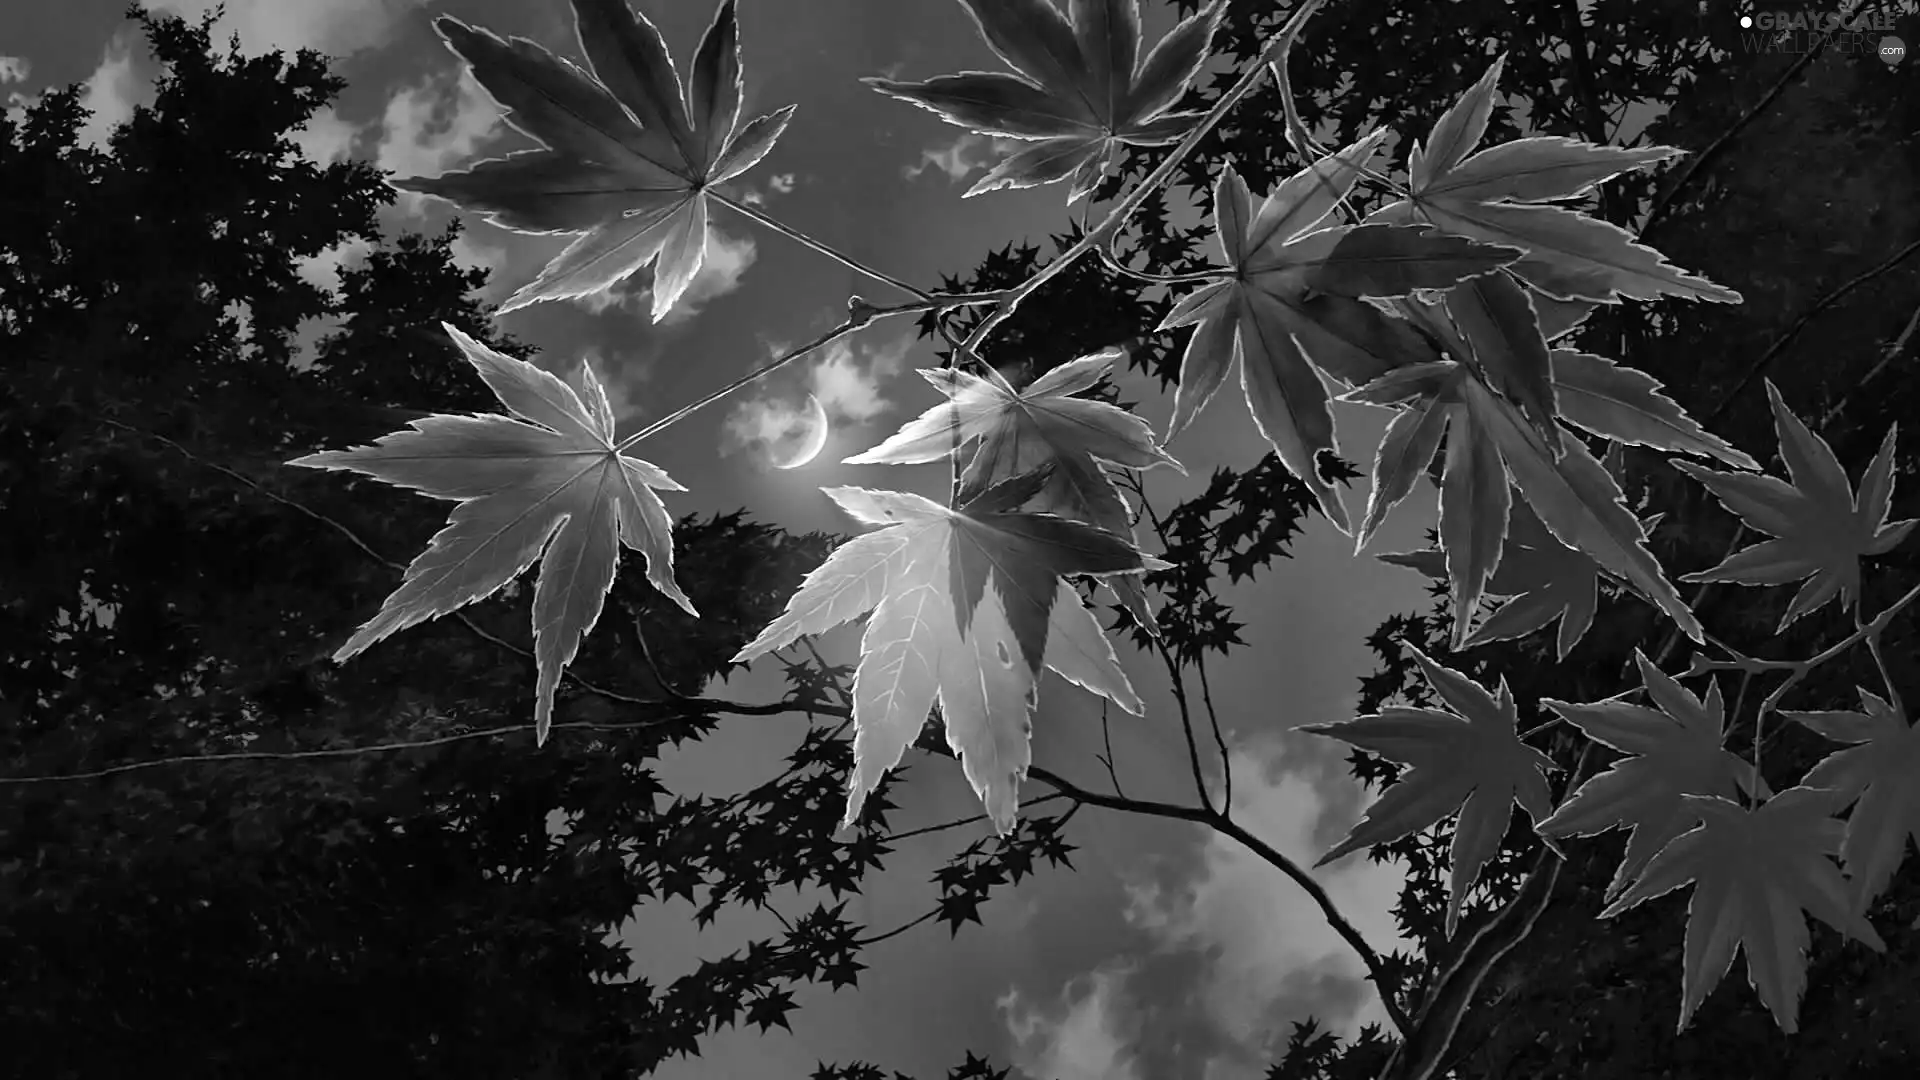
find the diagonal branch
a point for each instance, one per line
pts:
(690, 707)
(1376, 968)
(1697, 167)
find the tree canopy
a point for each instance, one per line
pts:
(294, 902)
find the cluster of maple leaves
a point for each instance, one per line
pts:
(1441, 305)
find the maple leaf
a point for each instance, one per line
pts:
(1021, 430)
(1674, 750)
(1542, 578)
(1821, 528)
(1754, 873)
(625, 160)
(968, 605)
(1080, 93)
(1503, 194)
(544, 483)
(1490, 445)
(1267, 319)
(1470, 760)
(1579, 503)
(1878, 768)
(1626, 405)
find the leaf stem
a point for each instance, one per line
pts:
(837, 256)
(859, 314)
(1886, 676)
(1276, 50)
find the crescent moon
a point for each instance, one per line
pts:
(816, 437)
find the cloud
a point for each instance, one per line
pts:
(322, 271)
(434, 125)
(325, 138)
(111, 92)
(1085, 1039)
(470, 251)
(1218, 953)
(962, 156)
(845, 379)
(337, 27)
(725, 263)
(16, 69)
(849, 389)
(1273, 955)
(622, 375)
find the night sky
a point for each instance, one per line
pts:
(1170, 953)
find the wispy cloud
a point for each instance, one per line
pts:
(325, 138)
(725, 263)
(433, 125)
(1084, 1037)
(962, 156)
(1274, 954)
(111, 92)
(1230, 951)
(337, 27)
(844, 377)
(322, 271)
(16, 69)
(623, 375)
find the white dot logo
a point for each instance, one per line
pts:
(1746, 22)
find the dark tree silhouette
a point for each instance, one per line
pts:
(296, 901)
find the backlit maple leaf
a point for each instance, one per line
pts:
(1491, 446)
(1080, 92)
(1470, 760)
(968, 605)
(1879, 768)
(1019, 431)
(1542, 578)
(1754, 872)
(1821, 528)
(627, 160)
(1626, 406)
(545, 483)
(1673, 750)
(1270, 320)
(1503, 195)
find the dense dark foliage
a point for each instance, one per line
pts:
(412, 911)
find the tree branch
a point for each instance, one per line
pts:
(1800, 324)
(1697, 166)
(698, 707)
(1376, 969)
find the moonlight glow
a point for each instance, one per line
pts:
(812, 436)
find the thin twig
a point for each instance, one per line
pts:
(1698, 164)
(892, 838)
(1213, 718)
(862, 943)
(840, 257)
(1106, 739)
(1186, 726)
(1275, 50)
(1376, 969)
(1886, 676)
(1800, 324)
(708, 706)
